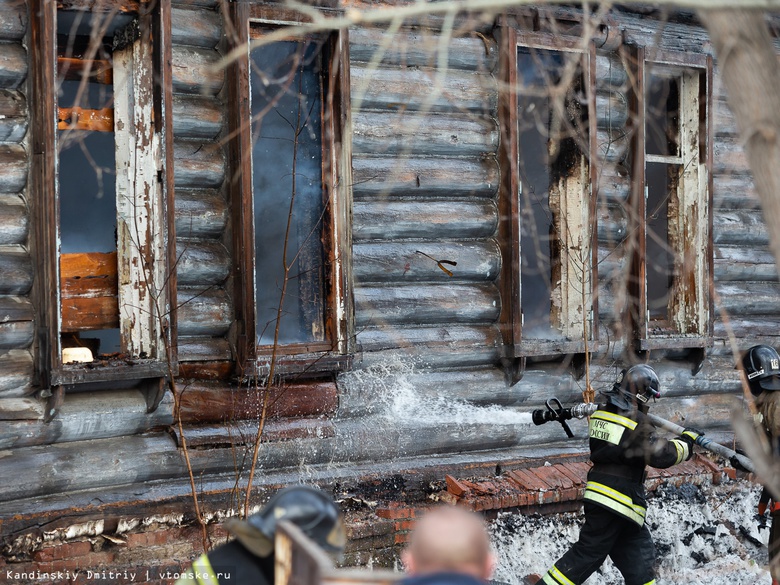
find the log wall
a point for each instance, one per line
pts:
(426, 380)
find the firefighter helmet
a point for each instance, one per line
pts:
(635, 385)
(761, 364)
(314, 512)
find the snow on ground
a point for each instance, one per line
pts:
(703, 536)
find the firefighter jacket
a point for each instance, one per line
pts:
(226, 564)
(622, 444)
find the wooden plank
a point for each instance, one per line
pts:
(212, 402)
(85, 314)
(96, 120)
(740, 227)
(110, 6)
(91, 274)
(76, 69)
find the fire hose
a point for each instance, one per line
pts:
(556, 412)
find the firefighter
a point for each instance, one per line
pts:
(622, 443)
(761, 366)
(250, 557)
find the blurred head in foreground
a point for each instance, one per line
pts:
(448, 539)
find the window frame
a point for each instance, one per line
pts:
(510, 225)
(335, 353)
(698, 308)
(158, 337)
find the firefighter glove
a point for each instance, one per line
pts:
(692, 433)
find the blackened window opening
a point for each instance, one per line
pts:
(287, 179)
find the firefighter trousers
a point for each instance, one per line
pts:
(606, 534)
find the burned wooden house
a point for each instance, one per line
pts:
(368, 242)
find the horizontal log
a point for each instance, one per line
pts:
(446, 177)
(613, 183)
(200, 213)
(610, 72)
(13, 115)
(729, 157)
(723, 122)
(750, 330)
(747, 298)
(732, 263)
(421, 304)
(213, 402)
(393, 219)
(17, 328)
(22, 409)
(195, 71)
(204, 349)
(197, 117)
(198, 166)
(197, 28)
(13, 66)
(201, 262)
(742, 227)
(612, 146)
(426, 261)
(611, 110)
(204, 311)
(14, 220)
(613, 225)
(421, 90)
(735, 192)
(13, 20)
(17, 271)
(421, 348)
(16, 373)
(83, 416)
(430, 134)
(243, 433)
(420, 48)
(13, 168)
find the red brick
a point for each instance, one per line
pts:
(62, 551)
(395, 513)
(573, 473)
(455, 487)
(402, 538)
(731, 472)
(527, 480)
(404, 525)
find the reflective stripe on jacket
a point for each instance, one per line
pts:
(622, 444)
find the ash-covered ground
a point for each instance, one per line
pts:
(703, 536)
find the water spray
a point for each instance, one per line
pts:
(556, 412)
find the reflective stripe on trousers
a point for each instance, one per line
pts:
(555, 577)
(616, 501)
